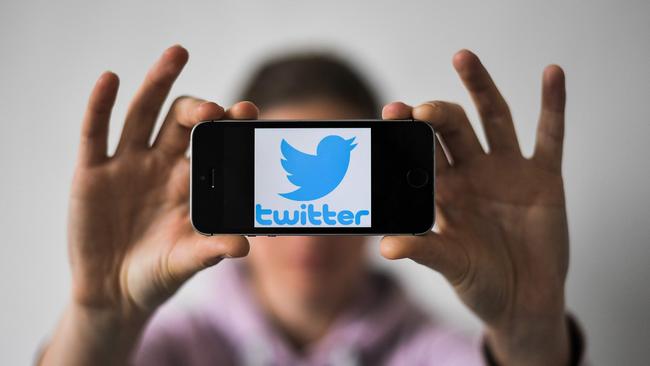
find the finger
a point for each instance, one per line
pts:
(144, 109)
(94, 129)
(493, 109)
(196, 252)
(242, 110)
(450, 121)
(397, 110)
(431, 250)
(550, 129)
(185, 112)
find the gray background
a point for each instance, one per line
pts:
(52, 51)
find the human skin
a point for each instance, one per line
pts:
(502, 241)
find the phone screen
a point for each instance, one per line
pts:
(312, 177)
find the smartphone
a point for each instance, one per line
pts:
(342, 177)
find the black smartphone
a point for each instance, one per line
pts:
(343, 177)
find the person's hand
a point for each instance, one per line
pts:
(130, 238)
(502, 238)
(131, 244)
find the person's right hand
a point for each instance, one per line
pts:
(131, 243)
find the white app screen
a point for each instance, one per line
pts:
(312, 177)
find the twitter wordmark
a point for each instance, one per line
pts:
(309, 214)
(316, 175)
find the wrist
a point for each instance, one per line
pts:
(108, 321)
(542, 341)
(96, 336)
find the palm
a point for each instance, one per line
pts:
(127, 217)
(506, 215)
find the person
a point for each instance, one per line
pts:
(501, 239)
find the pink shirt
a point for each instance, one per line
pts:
(227, 327)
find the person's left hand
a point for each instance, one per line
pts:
(502, 238)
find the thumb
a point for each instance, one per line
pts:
(196, 252)
(432, 250)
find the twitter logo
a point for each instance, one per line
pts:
(316, 175)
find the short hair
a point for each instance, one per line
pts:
(301, 77)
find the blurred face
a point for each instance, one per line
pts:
(312, 268)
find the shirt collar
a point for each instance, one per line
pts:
(373, 318)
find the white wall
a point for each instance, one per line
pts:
(52, 51)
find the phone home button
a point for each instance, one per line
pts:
(417, 178)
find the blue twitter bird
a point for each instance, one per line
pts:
(316, 175)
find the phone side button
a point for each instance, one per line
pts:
(271, 236)
(251, 236)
